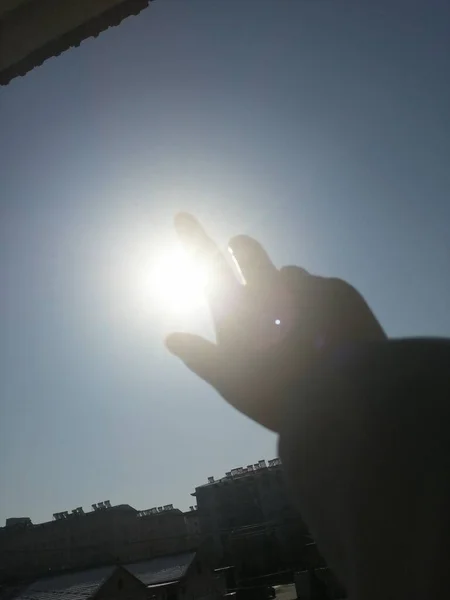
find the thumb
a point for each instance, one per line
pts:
(198, 354)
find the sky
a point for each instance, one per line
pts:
(320, 127)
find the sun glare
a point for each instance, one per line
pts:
(176, 283)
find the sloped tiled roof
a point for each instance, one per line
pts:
(70, 586)
(10, 592)
(92, 28)
(162, 569)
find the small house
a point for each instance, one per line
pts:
(104, 583)
(182, 576)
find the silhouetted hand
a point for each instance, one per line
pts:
(269, 332)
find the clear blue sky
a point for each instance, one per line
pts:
(320, 127)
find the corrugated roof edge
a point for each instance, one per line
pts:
(31, 591)
(190, 557)
(110, 18)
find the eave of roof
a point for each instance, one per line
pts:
(160, 585)
(163, 569)
(92, 28)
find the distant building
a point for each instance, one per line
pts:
(192, 520)
(248, 518)
(155, 532)
(75, 540)
(24, 521)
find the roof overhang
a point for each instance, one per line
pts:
(162, 585)
(31, 31)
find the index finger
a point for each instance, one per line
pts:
(194, 238)
(254, 263)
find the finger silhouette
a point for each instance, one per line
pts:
(222, 288)
(253, 261)
(196, 240)
(198, 354)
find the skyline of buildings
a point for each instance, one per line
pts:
(245, 513)
(235, 472)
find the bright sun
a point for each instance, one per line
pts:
(176, 283)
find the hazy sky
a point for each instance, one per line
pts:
(320, 127)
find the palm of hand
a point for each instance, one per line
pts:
(270, 331)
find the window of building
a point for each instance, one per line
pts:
(120, 584)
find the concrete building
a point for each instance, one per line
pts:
(157, 531)
(248, 519)
(75, 539)
(31, 31)
(192, 521)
